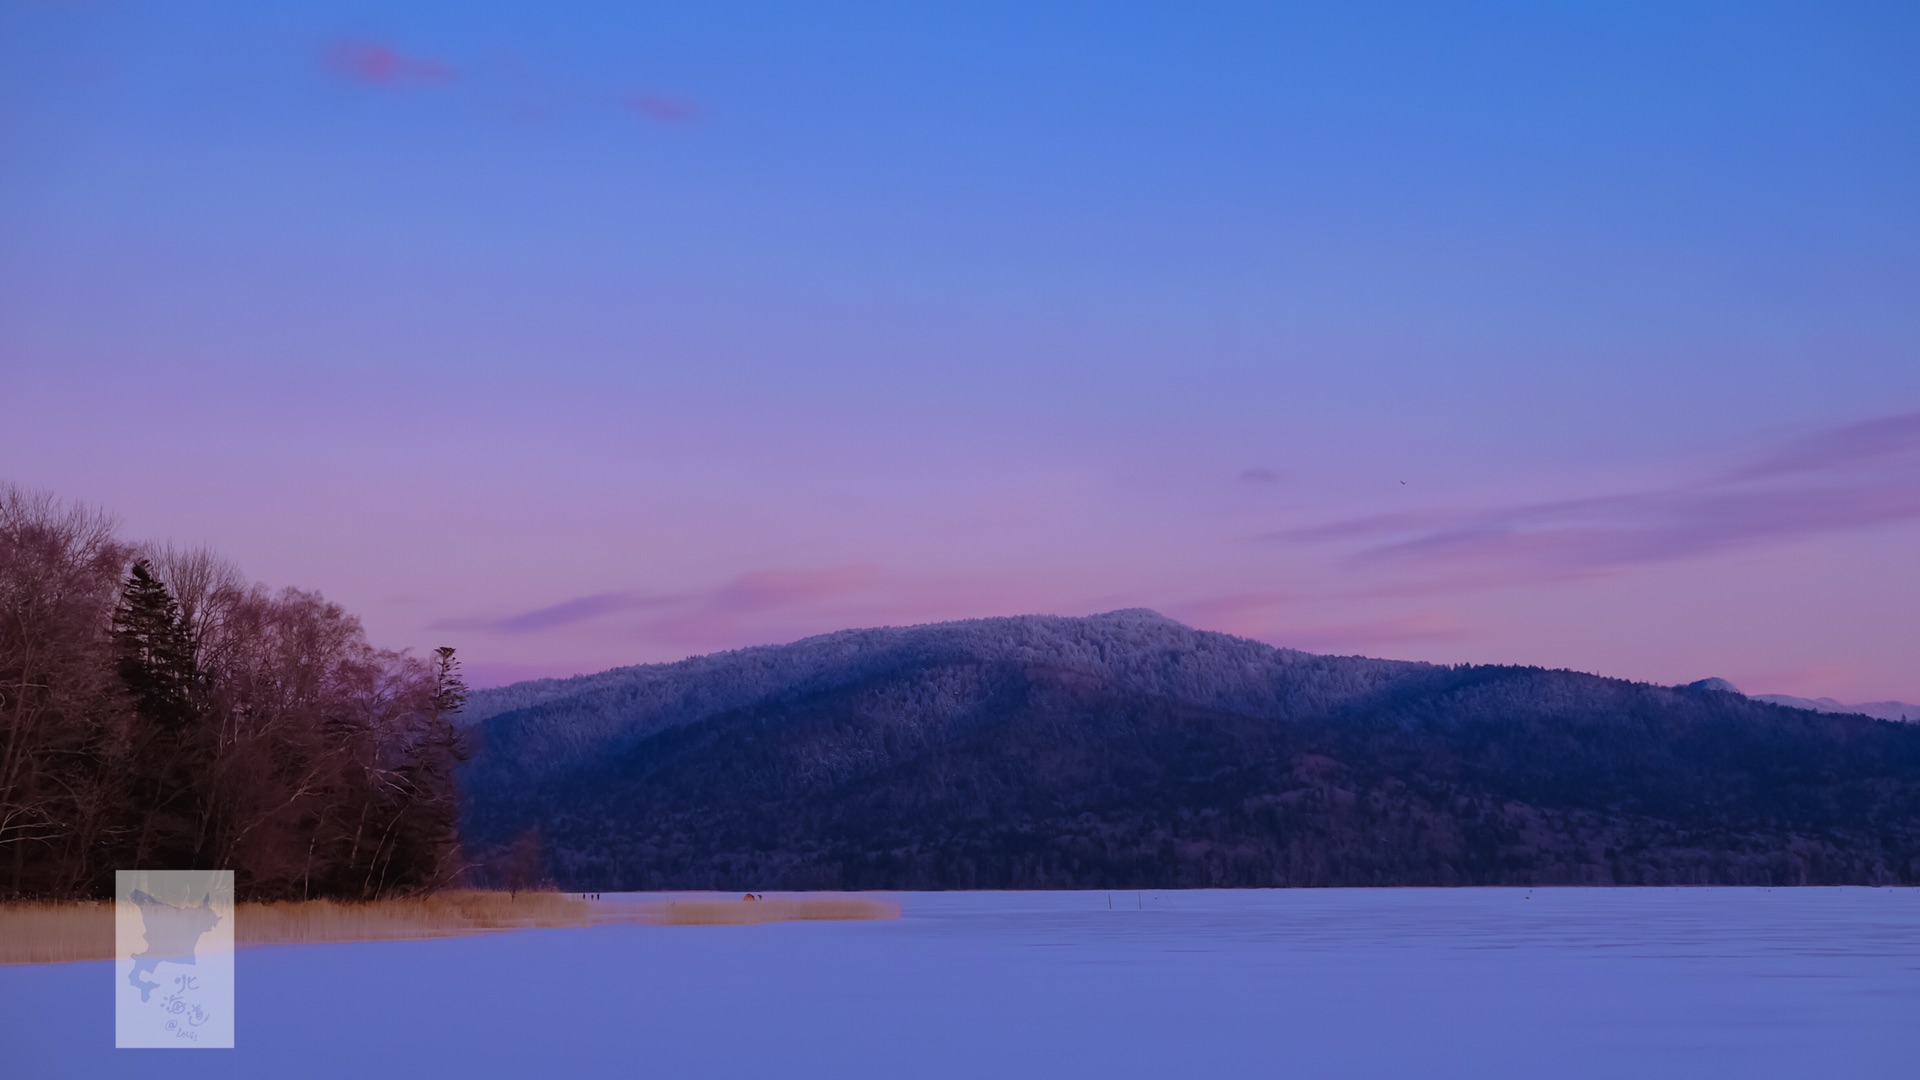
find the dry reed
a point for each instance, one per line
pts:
(33, 933)
(55, 933)
(447, 914)
(60, 933)
(706, 912)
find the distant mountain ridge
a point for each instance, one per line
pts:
(1897, 711)
(1127, 749)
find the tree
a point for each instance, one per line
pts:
(171, 766)
(62, 733)
(161, 711)
(156, 657)
(420, 799)
(523, 866)
(449, 689)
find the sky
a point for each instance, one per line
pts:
(1576, 335)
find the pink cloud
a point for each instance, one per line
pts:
(1800, 680)
(364, 61)
(673, 112)
(1237, 610)
(1365, 636)
(784, 588)
(763, 607)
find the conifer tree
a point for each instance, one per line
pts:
(156, 656)
(169, 772)
(449, 689)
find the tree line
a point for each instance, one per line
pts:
(160, 711)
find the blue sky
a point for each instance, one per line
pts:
(945, 312)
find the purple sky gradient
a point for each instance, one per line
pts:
(1579, 339)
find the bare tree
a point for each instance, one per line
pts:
(523, 866)
(180, 714)
(61, 718)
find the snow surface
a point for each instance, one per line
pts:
(1298, 983)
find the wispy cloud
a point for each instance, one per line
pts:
(483, 674)
(671, 111)
(703, 611)
(1370, 635)
(530, 96)
(1233, 609)
(565, 613)
(1260, 476)
(1283, 618)
(783, 588)
(363, 61)
(1854, 477)
(1868, 443)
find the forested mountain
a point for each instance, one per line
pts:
(1127, 750)
(553, 725)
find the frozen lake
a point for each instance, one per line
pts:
(1304, 983)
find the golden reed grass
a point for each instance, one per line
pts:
(752, 912)
(445, 914)
(58, 933)
(55, 933)
(32, 933)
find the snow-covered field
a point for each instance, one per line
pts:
(1341, 983)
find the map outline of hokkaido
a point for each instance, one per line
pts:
(174, 939)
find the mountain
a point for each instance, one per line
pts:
(1899, 711)
(1127, 750)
